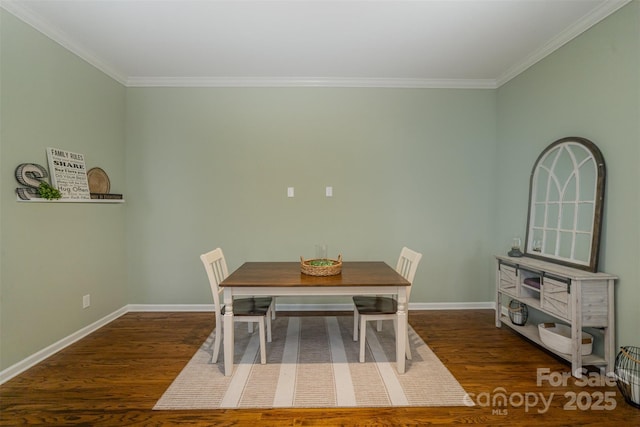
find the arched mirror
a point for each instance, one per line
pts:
(566, 198)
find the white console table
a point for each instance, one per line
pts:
(576, 297)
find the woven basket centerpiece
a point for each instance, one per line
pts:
(321, 267)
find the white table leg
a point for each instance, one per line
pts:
(228, 331)
(401, 331)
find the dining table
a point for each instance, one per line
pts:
(286, 279)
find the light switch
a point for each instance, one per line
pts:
(328, 191)
(290, 192)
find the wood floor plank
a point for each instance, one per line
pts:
(115, 375)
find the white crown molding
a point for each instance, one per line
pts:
(34, 359)
(310, 82)
(563, 38)
(31, 19)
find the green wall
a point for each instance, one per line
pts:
(54, 253)
(210, 167)
(442, 171)
(588, 88)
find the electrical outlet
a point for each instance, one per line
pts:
(290, 192)
(86, 301)
(328, 191)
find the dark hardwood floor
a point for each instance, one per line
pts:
(114, 377)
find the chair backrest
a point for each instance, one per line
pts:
(407, 265)
(216, 267)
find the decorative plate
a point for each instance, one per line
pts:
(98, 181)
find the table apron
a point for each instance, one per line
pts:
(315, 290)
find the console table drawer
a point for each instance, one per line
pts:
(555, 297)
(508, 279)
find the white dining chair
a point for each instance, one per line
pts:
(244, 310)
(380, 308)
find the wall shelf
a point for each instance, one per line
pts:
(102, 201)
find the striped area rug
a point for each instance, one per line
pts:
(313, 362)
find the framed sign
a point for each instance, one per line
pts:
(68, 173)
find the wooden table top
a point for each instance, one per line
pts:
(288, 274)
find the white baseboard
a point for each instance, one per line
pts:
(170, 307)
(49, 351)
(316, 307)
(46, 352)
(488, 305)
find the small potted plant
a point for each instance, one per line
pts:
(48, 192)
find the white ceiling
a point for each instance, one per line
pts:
(393, 43)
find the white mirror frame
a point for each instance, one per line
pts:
(566, 201)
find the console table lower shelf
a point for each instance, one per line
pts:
(531, 332)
